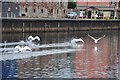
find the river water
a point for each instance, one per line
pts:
(90, 60)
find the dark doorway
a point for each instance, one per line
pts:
(89, 14)
(23, 14)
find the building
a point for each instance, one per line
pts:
(98, 8)
(43, 9)
(10, 9)
(0, 8)
(119, 10)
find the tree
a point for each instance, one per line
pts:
(71, 4)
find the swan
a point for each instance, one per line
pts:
(22, 42)
(77, 40)
(31, 38)
(96, 40)
(22, 49)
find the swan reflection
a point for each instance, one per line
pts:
(96, 48)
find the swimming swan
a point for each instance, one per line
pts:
(96, 40)
(22, 49)
(75, 43)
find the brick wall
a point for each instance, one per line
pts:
(43, 9)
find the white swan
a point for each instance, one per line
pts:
(75, 43)
(22, 42)
(96, 40)
(77, 40)
(22, 49)
(31, 38)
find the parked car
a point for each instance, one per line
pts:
(71, 15)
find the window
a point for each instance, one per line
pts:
(51, 10)
(42, 1)
(41, 10)
(26, 10)
(23, 14)
(57, 11)
(64, 11)
(34, 10)
(9, 9)
(112, 14)
(96, 12)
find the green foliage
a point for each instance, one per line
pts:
(71, 5)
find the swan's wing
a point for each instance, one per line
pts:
(22, 42)
(16, 47)
(77, 40)
(101, 37)
(27, 48)
(37, 37)
(91, 37)
(81, 40)
(30, 37)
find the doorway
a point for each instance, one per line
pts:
(89, 14)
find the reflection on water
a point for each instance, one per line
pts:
(91, 61)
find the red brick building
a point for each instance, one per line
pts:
(42, 8)
(98, 8)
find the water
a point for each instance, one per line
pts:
(88, 61)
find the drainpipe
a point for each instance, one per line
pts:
(115, 10)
